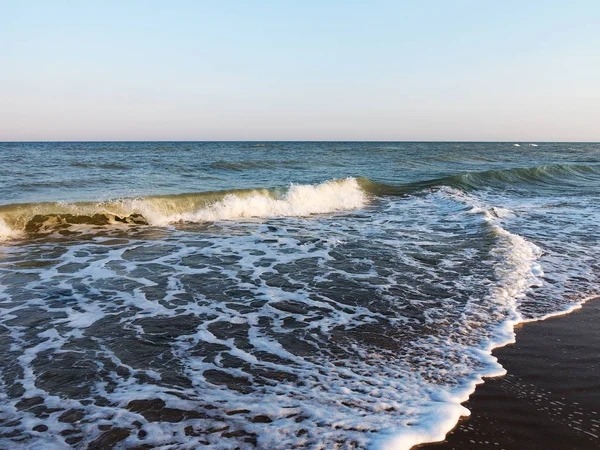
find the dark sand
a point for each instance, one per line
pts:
(550, 398)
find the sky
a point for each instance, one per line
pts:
(421, 70)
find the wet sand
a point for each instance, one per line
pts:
(550, 398)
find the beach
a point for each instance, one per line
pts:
(550, 397)
(299, 225)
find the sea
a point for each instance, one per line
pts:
(276, 295)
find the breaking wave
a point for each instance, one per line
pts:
(297, 200)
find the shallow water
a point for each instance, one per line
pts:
(279, 295)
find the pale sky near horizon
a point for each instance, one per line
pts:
(310, 70)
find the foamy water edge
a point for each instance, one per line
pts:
(516, 253)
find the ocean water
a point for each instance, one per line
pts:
(276, 295)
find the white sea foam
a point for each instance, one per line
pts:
(298, 200)
(7, 233)
(517, 270)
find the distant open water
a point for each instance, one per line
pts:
(276, 295)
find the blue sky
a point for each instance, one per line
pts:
(303, 70)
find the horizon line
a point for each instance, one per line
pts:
(296, 141)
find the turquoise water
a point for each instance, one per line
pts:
(276, 295)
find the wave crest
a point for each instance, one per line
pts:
(297, 200)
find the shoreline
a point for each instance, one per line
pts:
(550, 396)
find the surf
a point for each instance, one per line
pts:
(297, 200)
